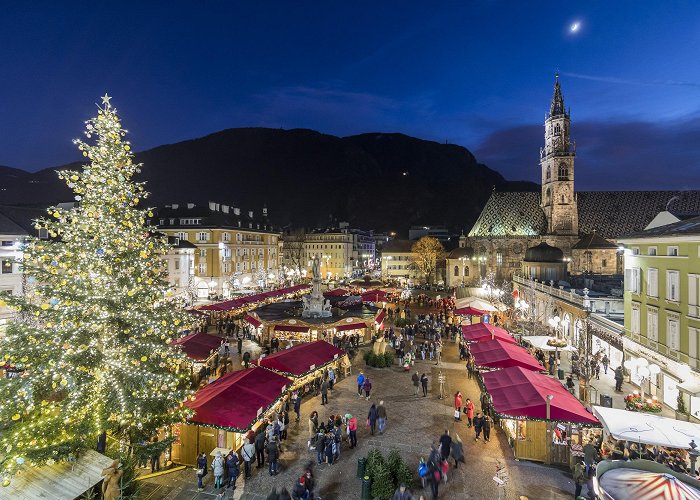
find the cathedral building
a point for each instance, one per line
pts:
(584, 225)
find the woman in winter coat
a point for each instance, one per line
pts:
(470, 412)
(218, 466)
(367, 387)
(233, 469)
(313, 423)
(372, 418)
(202, 465)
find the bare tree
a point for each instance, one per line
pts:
(426, 252)
(293, 249)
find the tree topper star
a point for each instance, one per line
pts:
(106, 99)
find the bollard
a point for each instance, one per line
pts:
(366, 483)
(361, 467)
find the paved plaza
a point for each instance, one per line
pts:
(414, 422)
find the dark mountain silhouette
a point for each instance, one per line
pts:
(385, 182)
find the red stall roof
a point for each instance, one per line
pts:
(253, 321)
(337, 292)
(483, 331)
(350, 326)
(374, 296)
(499, 354)
(298, 360)
(292, 328)
(517, 392)
(380, 317)
(198, 346)
(469, 311)
(233, 401)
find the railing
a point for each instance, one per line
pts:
(571, 297)
(607, 324)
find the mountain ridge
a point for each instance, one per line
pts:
(375, 180)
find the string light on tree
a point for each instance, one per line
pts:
(94, 333)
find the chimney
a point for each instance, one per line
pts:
(212, 206)
(224, 208)
(250, 214)
(190, 206)
(174, 206)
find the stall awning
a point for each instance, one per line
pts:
(482, 331)
(198, 346)
(253, 321)
(469, 311)
(301, 359)
(499, 354)
(521, 393)
(350, 326)
(196, 312)
(380, 317)
(374, 296)
(233, 401)
(640, 427)
(337, 292)
(292, 328)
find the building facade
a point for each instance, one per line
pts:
(461, 267)
(233, 249)
(662, 310)
(344, 252)
(397, 263)
(512, 222)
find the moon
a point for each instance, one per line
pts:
(575, 27)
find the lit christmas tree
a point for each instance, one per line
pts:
(94, 329)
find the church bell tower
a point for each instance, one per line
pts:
(557, 161)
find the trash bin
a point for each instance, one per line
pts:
(560, 374)
(606, 400)
(361, 467)
(365, 488)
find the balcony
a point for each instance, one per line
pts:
(571, 297)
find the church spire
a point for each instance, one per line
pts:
(557, 106)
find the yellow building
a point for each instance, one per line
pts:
(234, 249)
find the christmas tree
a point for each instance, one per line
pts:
(94, 329)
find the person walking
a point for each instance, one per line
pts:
(217, 466)
(330, 447)
(313, 423)
(372, 418)
(458, 406)
(469, 407)
(320, 443)
(457, 450)
(260, 447)
(619, 377)
(579, 478)
(297, 405)
(381, 416)
(570, 384)
(299, 491)
(202, 469)
(445, 445)
(273, 455)
(416, 382)
(360, 383)
(605, 362)
(248, 455)
(352, 430)
(331, 378)
(402, 493)
(424, 384)
(486, 427)
(324, 392)
(233, 469)
(367, 387)
(478, 424)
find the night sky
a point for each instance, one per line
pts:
(478, 74)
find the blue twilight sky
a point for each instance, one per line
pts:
(478, 74)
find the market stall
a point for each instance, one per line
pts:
(294, 332)
(202, 349)
(379, 319)
(482, 331)
(646, 428)
(305, 362)
(337, 292)
(225, 410)
(495, 354)
(541, 418)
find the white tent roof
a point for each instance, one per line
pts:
(476, 303)
(639, 427)
(540, 342)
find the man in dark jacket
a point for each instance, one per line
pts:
(619, 376)
(260, 448)
(445, 445)
(320, 443)
(424, 383)
(297, 405)
(324, 392)
(478, 425)
(486, 427)
(299, 490)
(233, 469)
(273, 455)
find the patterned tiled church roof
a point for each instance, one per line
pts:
(610, 214)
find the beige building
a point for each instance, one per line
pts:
(397, 262)
(573, 221)
(461, 268)
(344, 252)
(233, 249)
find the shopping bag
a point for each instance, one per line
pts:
(456, 414)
